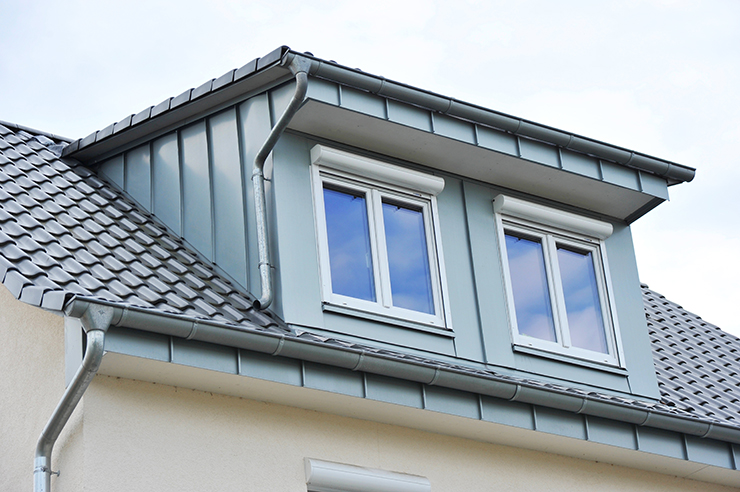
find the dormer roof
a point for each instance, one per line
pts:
(392, 118)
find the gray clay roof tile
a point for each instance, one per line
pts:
(65, 230)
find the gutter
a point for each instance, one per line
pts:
(233, 83)
(299, 67)
(95, 320)
(420, 371)
(673, 172)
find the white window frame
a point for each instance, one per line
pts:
(378, 180)
(552, 227)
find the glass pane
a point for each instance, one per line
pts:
(581, 292)
(411, 281)
(529, 283)
(349, 244)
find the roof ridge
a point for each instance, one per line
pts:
(35, 131)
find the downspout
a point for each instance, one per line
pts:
(299, 67)
(95, 320)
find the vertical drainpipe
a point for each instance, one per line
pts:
(95, 320)
(299, 66)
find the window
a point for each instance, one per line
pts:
(378, 237)
(557, 282)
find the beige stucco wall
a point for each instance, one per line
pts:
(146, 436)
(132, 435)
(32, 381)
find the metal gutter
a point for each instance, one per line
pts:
(299, 68)
(671, 171)
(258, 72)
(95, 319)
(420, 371)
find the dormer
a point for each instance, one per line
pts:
(405, 220)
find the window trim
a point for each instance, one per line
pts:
(552, 227)
(379, 180)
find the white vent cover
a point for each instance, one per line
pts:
(325, 476)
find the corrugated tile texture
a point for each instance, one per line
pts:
(64, 231)
(696, 362)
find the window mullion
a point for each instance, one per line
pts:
(432, 255)
(556, 291)
(382, 273)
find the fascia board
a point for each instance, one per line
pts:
(388, 138)
(435, 102)
(426, 372)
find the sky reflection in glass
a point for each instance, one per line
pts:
(411, 283)
(529, 283)
(349, 245)
(582, 304)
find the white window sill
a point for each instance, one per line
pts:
(389, 320)
(566, 359)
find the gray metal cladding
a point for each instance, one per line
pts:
(196, 189)
(138, 174)
(228, 197)
(196, 180)
(166, 181)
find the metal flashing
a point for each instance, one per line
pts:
(437, 104)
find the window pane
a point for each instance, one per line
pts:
(411, 282)
(582, 300)
(349, 244)
(529, 283)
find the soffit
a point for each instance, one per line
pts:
(472, 161)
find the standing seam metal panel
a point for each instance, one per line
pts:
(196, 196)
(228, 206)
(166, 181)
(137, 175)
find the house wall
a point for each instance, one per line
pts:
(32, 354)
(145, 436)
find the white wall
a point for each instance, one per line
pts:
(32, 382)
(147, 436)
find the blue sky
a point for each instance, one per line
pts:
(656, 76)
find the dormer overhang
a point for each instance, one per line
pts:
(378, 116)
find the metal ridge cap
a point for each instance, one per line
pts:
(419, 370)
(226, 81)
(16, 126)
(331, 70)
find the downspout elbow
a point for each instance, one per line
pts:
(95, 320)
(299, 66)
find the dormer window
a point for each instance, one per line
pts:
(378, 237)
(557, 280)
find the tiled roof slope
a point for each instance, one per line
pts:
(64, 231)
(696, 362)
